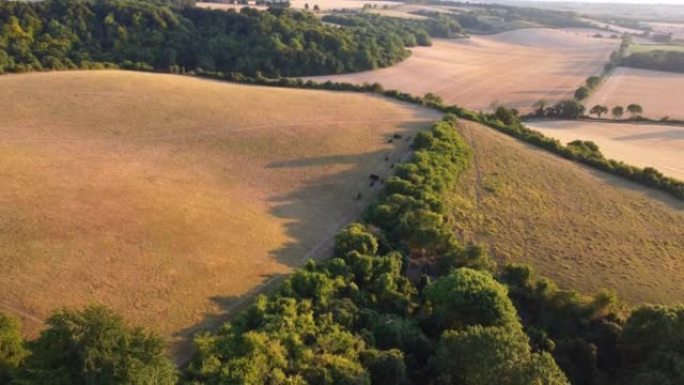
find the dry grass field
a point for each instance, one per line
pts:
(516, 68)
(639, 144)
(585, 229)
(169, 198)
(658, 92)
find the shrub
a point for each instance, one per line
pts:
(94, 346)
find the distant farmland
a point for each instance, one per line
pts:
(322, 4)
(169, 198)
(644, 145)
(583, 228)
(658, 92)
(516, 68)
(638, 48)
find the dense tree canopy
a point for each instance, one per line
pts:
(94, 346)
(61, 34)
(656, 60)
(493, 355)
(12, 350)
(652, 342)
(410, 31)
(466, 298)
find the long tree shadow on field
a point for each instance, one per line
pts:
(182, 349)
(667, 134)
(314, 213)
(324, 205)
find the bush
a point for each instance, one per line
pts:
(467, 297)
(12, 350)
(94, 346)
(355, 237)
(582, 93)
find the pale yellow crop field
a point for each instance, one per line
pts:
(639, 144)
(659, 93)
(515, 68)
(170, 198)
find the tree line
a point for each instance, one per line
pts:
(411, 32)
(135, 34)
(572, 109)
(660, 60)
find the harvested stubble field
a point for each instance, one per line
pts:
(517, 68)
(658, 92)
(583, 228)
(169, 198)
(640, 144)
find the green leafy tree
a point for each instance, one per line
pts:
(386, 366)
(593, 81)
(651, 343)
(540, 106)
(355, 237)
(432, 99)
(635, 110)
(587, 148)
(598, 110)
(481, 355)
(582, 93)
(94, 346)
(617, 112)
(470, 297)
(569, 109)
(506, 115)
(12, 350)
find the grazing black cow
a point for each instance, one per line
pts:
(390, 141)
(374, 177)
(397, 136)
(387, 159)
